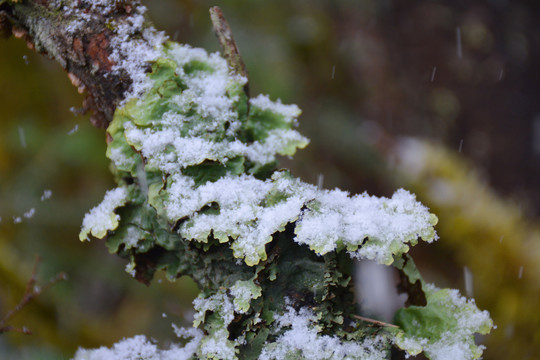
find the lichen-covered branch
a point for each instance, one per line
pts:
(199, 193)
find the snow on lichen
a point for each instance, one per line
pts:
(199, 193)
(191, 347)
(390, 225)
(192, 121)
(443, 329)
(331, 218)
(264, 103)
(199, 121)
(220, 302)
(102, 218)
(207, 78)
(301, 339)
(132, 54)
(216, 344)
(140, 348)
(243, 292)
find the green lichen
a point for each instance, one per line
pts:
(243, 292)
(195, 161)
(446, 323)
(103, 218)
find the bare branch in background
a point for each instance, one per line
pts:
(32, 290)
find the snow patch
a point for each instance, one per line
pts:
(139, 347)
(102, 217)
(301, 339)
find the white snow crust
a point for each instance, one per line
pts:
(333, 219)
(102, 217)
(134, 45)
(139, 348)
(302, 339)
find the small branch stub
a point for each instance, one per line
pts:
(228, 45)
(372, 321)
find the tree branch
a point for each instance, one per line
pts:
(77, 35)
(228, 45)
(31, 291)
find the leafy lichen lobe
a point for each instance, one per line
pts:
(195, 162)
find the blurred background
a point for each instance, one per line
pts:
(438, 97)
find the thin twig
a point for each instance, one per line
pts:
(228, 45)
(376, 322)
(31, 291)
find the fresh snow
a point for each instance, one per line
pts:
(302, 340)
(458, 341)
(140, 348)
(201, 124)
(46, 195)
(263, 102)
(134, 44)
(332, 217)
(102, 218)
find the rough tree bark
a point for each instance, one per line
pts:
(84, 53)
